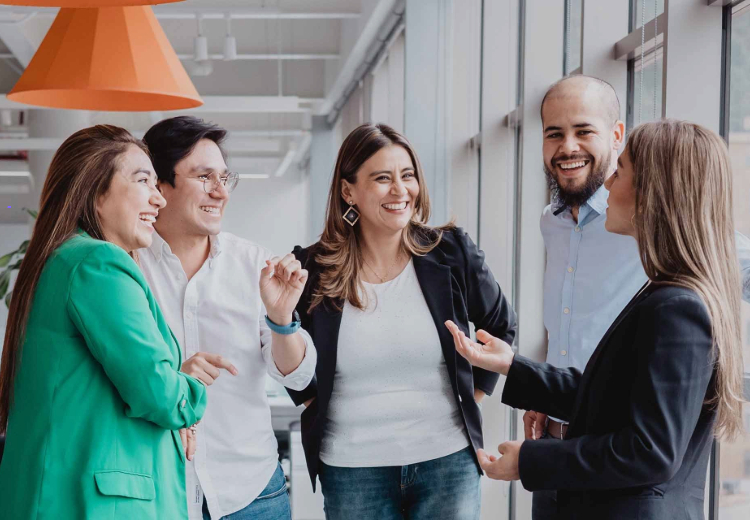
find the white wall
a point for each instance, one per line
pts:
(271, 212)
(387, 81)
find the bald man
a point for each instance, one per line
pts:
(591, 274)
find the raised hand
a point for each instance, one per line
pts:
(281, 285)
(533, 424)
(504, 467)
(495, 354)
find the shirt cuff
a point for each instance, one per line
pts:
(301, 376)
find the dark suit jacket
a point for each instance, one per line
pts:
(640, 434)
(458, 286)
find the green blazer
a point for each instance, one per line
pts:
(98, 397)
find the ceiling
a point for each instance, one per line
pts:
(291, 56)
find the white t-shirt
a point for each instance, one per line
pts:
(392, 402)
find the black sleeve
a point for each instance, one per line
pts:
(674, 366)
(488, 308)
(311, 390)
(541, 387)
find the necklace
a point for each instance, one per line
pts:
(383, 279)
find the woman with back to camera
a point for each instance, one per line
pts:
(91, 396)
(393, 422)
(667, 376)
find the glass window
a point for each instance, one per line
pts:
(734, 464)
(573, 36)
(637, 10)
(646, 88)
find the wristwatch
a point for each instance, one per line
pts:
(288, 329)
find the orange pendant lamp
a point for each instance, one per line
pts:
(85, 3)
(107, 59)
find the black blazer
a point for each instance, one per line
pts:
(640, 434)
(458, 286)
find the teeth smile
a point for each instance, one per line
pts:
(147, 218)
(570, 166)
(209, 209)
(400, 205)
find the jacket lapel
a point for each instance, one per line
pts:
(435, 281)
(596, 356)
(326, 322)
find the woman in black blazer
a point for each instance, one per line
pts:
(667, 376)
(393, 423)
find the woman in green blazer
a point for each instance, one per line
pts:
(91, 396)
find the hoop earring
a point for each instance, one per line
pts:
(351, 216)
(631, 220)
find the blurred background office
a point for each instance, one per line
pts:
(463, 79)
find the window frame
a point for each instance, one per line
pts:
(566, 38)
(726, 77)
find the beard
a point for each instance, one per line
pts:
(573, 197)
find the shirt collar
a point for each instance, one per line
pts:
(159, 247)
(596, 203)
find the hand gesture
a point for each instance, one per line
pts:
(533, 425)
(495, 355)
(281, 285)
(504, 467)
(187, 436)
(205, 367)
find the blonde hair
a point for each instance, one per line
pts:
(339, 250)
(685, 231)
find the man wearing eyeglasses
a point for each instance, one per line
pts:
(230, 304)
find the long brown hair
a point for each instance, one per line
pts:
(81, 171)
(339, 250)
(685, 230)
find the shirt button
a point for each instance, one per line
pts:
(570, 269)
(578, 229)
(563, 352)
(183, 403)
(566, 310)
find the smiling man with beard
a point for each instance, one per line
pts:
(591, 274)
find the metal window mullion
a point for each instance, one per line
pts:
(714, 482)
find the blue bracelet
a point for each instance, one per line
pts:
(288, 329)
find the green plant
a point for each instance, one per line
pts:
(11, 262)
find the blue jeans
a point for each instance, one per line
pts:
(271, 504)
(441, 489)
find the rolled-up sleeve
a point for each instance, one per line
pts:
(301, 376)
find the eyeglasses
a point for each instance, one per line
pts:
(211, 181)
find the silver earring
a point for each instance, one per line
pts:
(352, 215)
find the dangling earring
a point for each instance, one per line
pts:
(631, 220)
(352, 215)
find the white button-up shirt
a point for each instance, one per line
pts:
(220, 311)
(591, 275)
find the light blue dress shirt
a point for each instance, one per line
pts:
(591, 275)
